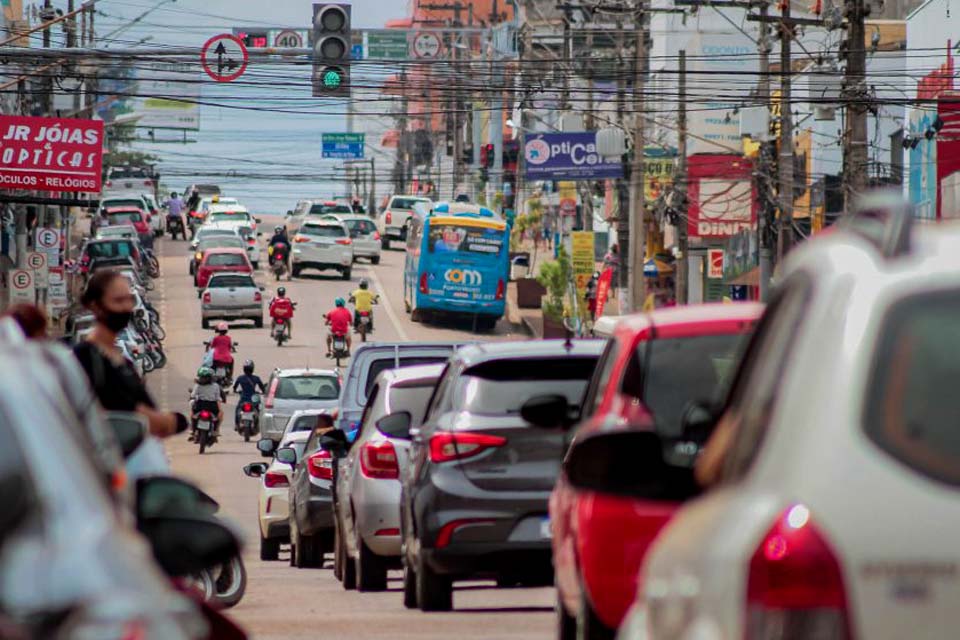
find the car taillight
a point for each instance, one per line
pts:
(296, 239)
(388, 218)
(109, 183)
(251, 240)
(247, 407)
(501, 289)
(387, 532)
(274, 479)
(795, 584)
(376, 235)
(257, 297)
(379, 460)
(423, 283)
(205, 415)
(344, 241)
(448, 445)
(206, 297)
(320, 465)
(268, 403)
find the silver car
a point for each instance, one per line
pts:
(368, 485)
(363, 233)
(231, 296)
(289, 390)
(322, 244)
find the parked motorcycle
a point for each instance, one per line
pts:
(249, 418)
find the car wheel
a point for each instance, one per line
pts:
(375, 260)
(385, 243)
(348, 569)
(588, 625)
(257, 322)
(295, 272)
(204, 323)
(409, 586)
(255, 264)
(337, 561)
(306, 552)
(434, 591)
(370, 568)
(346, 274)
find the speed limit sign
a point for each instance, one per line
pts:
(22, 288)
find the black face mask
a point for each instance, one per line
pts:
(116, 321)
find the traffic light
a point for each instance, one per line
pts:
(487, 153)
(331, 50)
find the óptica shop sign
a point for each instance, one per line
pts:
(567, 156)
(50, 154)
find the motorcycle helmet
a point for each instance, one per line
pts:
(173, 194)
(339, 302)
(248, 367)
(281, 291)
(204, 375)
(277, 229)
(222, 327)
(364, 284)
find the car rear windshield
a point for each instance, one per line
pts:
(503, 386)
(221, 242)
(382, 364)
(232, 280)
(323, 231)
(226, 260)
(670, 374)
(104, 250)
(911, 405)
(125, 216)
(360, 227)
(308, 388)
(229, 216)
(212, 233)
(404, 203)
(124, 202)
(329, 208)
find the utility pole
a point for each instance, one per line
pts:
(623, 196)
(638, 221)
(785, 158)
(680, 186)
(855, 97)
(765, 223)
(46, 15)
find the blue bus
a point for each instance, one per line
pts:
(457, 262)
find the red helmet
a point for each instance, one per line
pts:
(222, 326)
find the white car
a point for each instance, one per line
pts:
(243, 228)
(392, 223)
(311, 210)
(322, 244)
(273, 503)
(363, 233)
(835, 461)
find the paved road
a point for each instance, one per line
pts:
(281, 602)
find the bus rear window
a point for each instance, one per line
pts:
(448, 238)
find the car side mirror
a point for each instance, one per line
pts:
(335, 442)
(628, 463)
(698, 421)
(287, 455)
(547, 411)
(396, 425)
(266, 447)
(255, 469)
(130, 430)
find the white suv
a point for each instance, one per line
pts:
(322, 244)
(834, 468)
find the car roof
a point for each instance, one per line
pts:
(689, 319)
(299, 413)
(484, 352)
(408, 374)
(224, 228)
(322, 222)
(222, 207)
(123, 209)
(289, 373)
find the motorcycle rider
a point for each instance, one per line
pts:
(279, 237)
(248, 385)
(222, 347)
(205, 395)
(175, 207)
(282, 307)
(363, 300)
(339, 320)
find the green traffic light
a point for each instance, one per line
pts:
(332, 79)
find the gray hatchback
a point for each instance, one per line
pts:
(474, 498)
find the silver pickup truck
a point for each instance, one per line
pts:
(231, 296)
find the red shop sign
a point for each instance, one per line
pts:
(50, 154)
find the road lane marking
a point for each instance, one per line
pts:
(394, 318)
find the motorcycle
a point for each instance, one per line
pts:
(175, 227)
(222, 374)
(363, 320)
(339, 349)
(278, 259)
(205, 424)
(279, 331)
(249, 417)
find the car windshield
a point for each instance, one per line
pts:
(360, 227)
(329, 208)
(218, 216)
(503, 386)
(308, 388)
(323, 231)
(405, 203)
(382, 364)
(124, 202)
(124, 216)
(222, 242)
(102, 250)
(226, 260)
(126, 173)
(231, 280)
(679, 372)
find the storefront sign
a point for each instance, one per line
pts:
(582, 257)
(603, 289)
(57, 290)
(50, 154)
(567, 156)
(715, 263)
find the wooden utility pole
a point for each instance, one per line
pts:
(680, 186)
(856, 99)
(785, 158)
(765, 166)
(623, 197)
(638, 223)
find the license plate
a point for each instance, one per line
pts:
(221, 372)
(364, 319)
(545, 531)
(246, 416)
(203, 424)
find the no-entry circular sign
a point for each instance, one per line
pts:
(224, 57)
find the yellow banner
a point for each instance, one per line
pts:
(658, 175)
(581, 243)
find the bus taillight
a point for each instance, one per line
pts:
(500, 289)
(423, 283)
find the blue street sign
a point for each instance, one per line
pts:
(356, 52)
(342, 146)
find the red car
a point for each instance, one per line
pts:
(130, 215)
(221, 259)
(655, 367)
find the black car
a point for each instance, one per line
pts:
(475, 494)
(311, 504)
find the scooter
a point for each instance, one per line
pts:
(364, 320)
(279, 331)
(339, 348)
(249, 417)
(175, 227)
(278, 259)
(205, 424)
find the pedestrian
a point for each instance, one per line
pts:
(591, 294)
(114, 381)
(612, 261)
(31, 319)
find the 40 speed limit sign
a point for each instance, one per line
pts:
(22, 286)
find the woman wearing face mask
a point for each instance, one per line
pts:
(114, 381)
